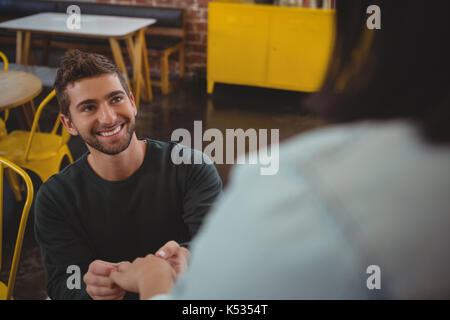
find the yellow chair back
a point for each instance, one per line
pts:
(5, 60)
(65, 135)
(6, 291)
(2, 121)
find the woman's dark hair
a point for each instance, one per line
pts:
(399, 71)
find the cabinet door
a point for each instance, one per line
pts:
(300, 44)
(237, 43)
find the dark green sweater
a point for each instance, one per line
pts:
(81, 217)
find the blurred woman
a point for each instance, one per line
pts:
(357, 210)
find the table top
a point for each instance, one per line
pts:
(90, 25)
(17, 88)
(47, 75)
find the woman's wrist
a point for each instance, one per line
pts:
(156, 281)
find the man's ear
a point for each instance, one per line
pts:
(68, 124)
(133, 103)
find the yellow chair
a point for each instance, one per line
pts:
(6, 291)
(2, 121)
(39, 152)
(5, 60)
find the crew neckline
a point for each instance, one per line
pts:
(99, 180)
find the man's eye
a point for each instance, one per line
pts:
(88, 108)
(117, 99)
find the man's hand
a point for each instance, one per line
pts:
(147, 276)
(98, 283)
(177, 256)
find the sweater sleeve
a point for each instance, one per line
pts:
(202, 188)
(61, 245)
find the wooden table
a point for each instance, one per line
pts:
(113, 28)
(19, 88)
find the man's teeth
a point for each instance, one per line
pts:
(110, 133)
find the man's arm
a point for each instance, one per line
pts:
(202, 188)
(60, 247)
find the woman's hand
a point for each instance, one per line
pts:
(177, 256)
(147, 276)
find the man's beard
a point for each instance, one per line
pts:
(93, 141)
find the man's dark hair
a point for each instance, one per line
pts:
(399, 71)
(77, 65)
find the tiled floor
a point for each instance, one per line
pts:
(230, 107)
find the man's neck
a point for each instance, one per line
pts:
(119, 166)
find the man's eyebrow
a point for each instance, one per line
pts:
(87, 101)
(113, 93)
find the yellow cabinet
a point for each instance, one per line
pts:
(268, 46)
(252, 30)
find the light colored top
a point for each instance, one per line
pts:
(344, 198)
(90, 25)
(17, 88)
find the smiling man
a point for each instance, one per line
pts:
(121, 199)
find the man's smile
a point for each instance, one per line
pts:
(111, 131)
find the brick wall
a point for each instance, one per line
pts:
(196, 25)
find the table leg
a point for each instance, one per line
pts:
(130, 49)
(146, 71)
(164, 60)
(28, 113)
(19, 46)
(118, 59)
(145, 81)
(46, 51)
(26, 48)
(137, 66)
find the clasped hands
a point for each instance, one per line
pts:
(149, 276)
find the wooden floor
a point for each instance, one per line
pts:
(230, 107)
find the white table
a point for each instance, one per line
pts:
(113, 28)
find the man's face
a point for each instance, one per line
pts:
(101, 113)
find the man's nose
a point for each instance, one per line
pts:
(107, 114)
